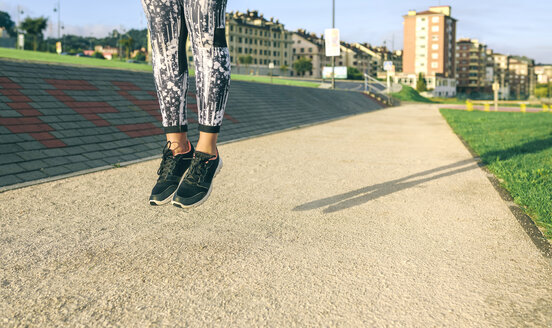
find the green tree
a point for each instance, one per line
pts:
(35, 28)
(140, 56)
(421, 84)
(353, 73)
(284, 68)
(302, 65)
(98, 55)
(7, 23)
(127, 44)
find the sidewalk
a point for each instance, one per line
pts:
(381, 219)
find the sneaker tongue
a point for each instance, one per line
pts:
(203, 156)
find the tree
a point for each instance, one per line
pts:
(35, 27)
(7, 23)
(284, 69)
(127, 43)
(353, 73)
(421, 84)
(302, 65)
(140, 56)
(98, 55)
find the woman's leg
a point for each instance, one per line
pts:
(206, 24)
(168, 38)
(206, 20)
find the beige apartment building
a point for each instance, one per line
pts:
(501, 74)
(522, 76)
(543, 73)
(471, 63)
(310, 46)
(265, 40)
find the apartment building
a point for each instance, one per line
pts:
(310, 46)
(430, 42)
(472, 67)
(501, 74)
(522, 76)
(429, 49)
(265, 40)
(543, 73)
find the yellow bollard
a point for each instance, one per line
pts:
(545, 108)
(487, 107)
(523, 108)
(469, 106)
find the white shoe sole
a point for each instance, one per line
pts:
(204, 199)
(168, 199)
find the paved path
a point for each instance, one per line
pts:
(382, 219)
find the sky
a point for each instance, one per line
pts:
(506, 26)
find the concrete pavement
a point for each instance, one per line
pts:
(382, 219)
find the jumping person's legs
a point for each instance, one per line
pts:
(206, 24)
(169, 23)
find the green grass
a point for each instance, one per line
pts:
(70, 60)
(93, 62)
(517, 148)
(409, 94)
(275, 80)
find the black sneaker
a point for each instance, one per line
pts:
(196, 185)
(170, 173)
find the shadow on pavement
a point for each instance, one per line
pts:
(366, 194)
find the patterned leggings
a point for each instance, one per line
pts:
(170, 22)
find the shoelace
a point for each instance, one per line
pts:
(198, 170)
(168, 163)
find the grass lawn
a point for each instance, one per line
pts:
(409, 94)
(70, 60)
(517, 148)
(93, 62)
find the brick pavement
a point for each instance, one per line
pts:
(57, 120)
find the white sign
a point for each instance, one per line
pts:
(21, 41)
(271, 65)
(387, 65)
(340, 72)
(333, 47)
(496, 86)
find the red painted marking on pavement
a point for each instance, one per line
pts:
(29, 123)
(80, 85)
(88, 109)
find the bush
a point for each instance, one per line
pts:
(141, 57)
(98, 55)
(354, 74)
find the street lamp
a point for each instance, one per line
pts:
(58, 10)
(333, 57)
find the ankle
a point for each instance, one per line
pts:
(207, 149)
(180, 148)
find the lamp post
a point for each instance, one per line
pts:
(58, 10)
(333, 57)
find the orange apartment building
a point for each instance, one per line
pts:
(429, 48)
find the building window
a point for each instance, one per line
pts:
(435, 19)
(435, 46)
(310, 49)
(434, 65)
(435, 29)
(435, 38)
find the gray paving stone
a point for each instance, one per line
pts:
(9, 180)
(75, 167)
(32, 175)
(56, 170)
(11, 168)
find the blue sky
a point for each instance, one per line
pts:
(507, 26)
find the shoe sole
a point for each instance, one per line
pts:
(204, 199)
